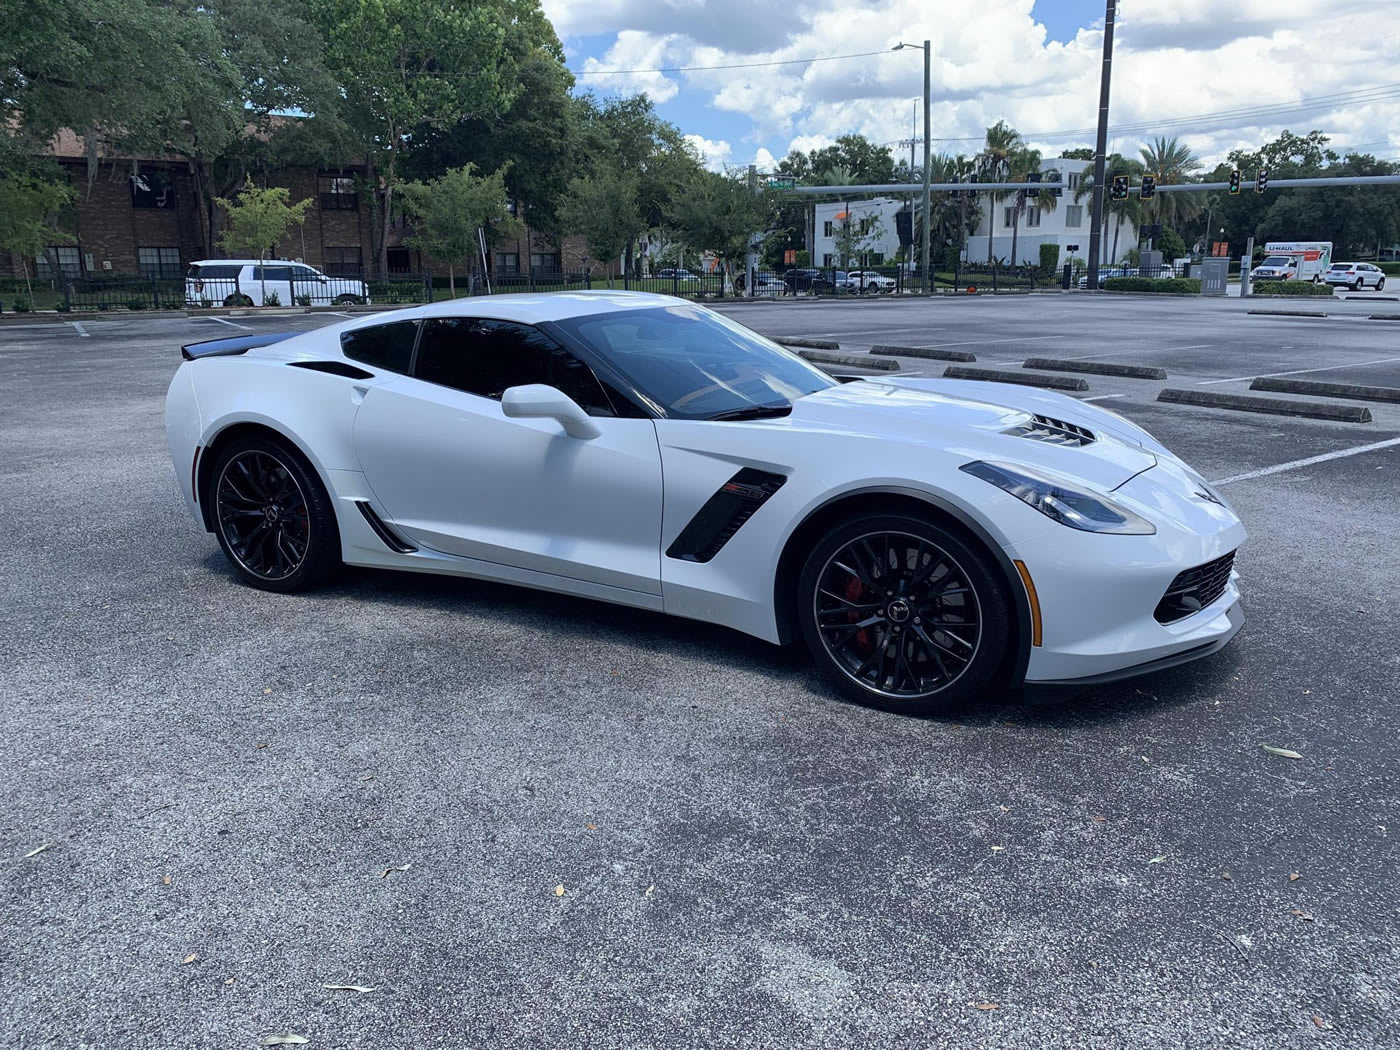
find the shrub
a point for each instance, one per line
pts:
(136, 304)
(1049, 257)
(206, 303)
(272, 299)
(1180, 285)
(21, 306)
(804, 258)
(1390, 269)
(303, 300)
(1293, 288)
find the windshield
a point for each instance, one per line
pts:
(692, 363)
(1277, 260)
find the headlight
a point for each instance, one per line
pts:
(1078, 510)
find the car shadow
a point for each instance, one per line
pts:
(724, 648)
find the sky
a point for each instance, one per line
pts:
(1239, 71)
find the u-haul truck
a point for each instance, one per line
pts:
(1293, 261)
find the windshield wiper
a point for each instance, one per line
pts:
(753, 412)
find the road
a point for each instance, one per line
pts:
(247, 797)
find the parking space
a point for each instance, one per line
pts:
(247, 797)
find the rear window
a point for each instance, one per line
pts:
(213, 271)
(387, 346)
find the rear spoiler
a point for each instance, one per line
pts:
(239, 344)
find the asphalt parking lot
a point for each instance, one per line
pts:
(247, 797)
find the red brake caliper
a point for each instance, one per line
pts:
(854, 590)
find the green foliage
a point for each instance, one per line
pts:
(603, 208)
(804, 258)
(1172, 163)
(1079, 153)
(854, 157)
(302, 300)
(1178, 285)
(1170, 244)
(448, 210)
(136, 304)
(1049, 257)
(259, 218)
(1390, 269)
(29, 211)
(272, 299)
(1296, 289)
(21, 306)
(719, 213)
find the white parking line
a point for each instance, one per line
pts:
(1300, 371)
(81, 330)
(1159, 350)
(989, 342)
(1264, 472)
(1102, 397)
(231, 324)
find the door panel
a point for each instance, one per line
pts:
(457, 476)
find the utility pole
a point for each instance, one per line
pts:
(928, 170)
(1101, 148)
(751, 259)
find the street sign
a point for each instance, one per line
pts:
(790, 257)
(781, 182)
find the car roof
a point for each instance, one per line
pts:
(531, 308)
(250, 262)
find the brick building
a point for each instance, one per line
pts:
(143, 220)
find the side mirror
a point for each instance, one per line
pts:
(537, 401)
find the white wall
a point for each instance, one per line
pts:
(882, 208)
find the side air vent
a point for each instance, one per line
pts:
(724, 514)
(335, 368)
(1053, 431)
(386, 534)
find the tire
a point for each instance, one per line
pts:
(1380, 285)
(1360, 284)
(347, 300)
(238, 299)
(928, 572)
(272, 516)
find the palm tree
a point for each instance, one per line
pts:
(1023, 164)
(1173, 164)
(1124, 211)
(994, 165)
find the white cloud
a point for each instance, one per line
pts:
(715, 153)
(992, 61)
(764, 161)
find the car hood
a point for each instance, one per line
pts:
(981, 421)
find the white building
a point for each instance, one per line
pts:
(1067, 225)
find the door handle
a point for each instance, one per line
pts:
(357, 393)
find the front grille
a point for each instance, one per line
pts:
(1053, 431)
(1194, 589)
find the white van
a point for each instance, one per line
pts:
(245, 282)
(1294, 261)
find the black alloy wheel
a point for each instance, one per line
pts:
(272, 516)
(904, 614)
(238, 299)
(348, 300)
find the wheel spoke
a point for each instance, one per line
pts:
(263, 516)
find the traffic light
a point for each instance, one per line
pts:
(1235, 177)
(1033, 191)
(1120, 187)
(1148, 188)
(971, 178)
(1053, 176)
(1261, 181)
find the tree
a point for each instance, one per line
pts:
(1170, 244)
(721, 213)
(448, 211)
(1024, 163)
(258, 219)
(603, 208)
(855, 234)
(29, 209)
(1079, 153)
(1002, 143)
(405, 65)
(1124, 212)
(1172, 163)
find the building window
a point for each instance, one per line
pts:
(1033, 217)
(877, 259)
(1074, 215)
(70, 262)
(1008, 217)
(827, 230)
(343, 262)
(398, 260)
(159, 262)
(1074, 181)
(828, 259)
(867, 223)
(337, 193)
(507, 262)
(152, 190)
(544, 262)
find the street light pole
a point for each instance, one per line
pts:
(1100, 149)
(928, 170)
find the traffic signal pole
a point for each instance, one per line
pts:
(928, 171)
(1101, 148)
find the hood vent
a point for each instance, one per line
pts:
(1053, 431)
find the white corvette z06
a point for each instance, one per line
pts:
(928, 539)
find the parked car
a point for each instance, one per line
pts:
(869, 280)
(677, 274)
(1355, 276)
(808, 280)
(247, 282)
(764, 284)
(1105, 272)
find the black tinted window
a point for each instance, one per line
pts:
(211, 271)
(272, 273)
(489, 357)
(387, 346)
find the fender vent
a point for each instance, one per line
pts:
(724, 514)
(1053, 432)
(386, 534)
(335, 368)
